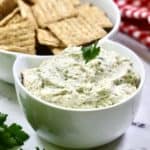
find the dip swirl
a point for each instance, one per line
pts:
(66, 80)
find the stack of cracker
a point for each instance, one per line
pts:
(17, 32)
(55, 24)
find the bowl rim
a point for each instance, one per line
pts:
(109, 35)
(55, 106)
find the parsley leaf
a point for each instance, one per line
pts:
(19, 135)
(90, 52)
(11, 136)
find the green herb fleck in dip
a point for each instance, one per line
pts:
(69, 80)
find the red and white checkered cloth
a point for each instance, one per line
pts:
(135, 19)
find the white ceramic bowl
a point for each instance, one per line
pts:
(80, 128)
(7, 58)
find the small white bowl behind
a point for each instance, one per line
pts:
(78, 128)
(8, 58)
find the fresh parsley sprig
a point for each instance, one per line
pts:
(11, 136)
(90, 52)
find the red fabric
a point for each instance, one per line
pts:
(135, 19)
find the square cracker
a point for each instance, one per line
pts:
(48, 11)
(26, 12)
(45, 37)
(87, 7)
(19, 37)
(76, 31)
(94, 14)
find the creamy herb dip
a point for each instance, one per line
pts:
(68, 81)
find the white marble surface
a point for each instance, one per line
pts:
(136, 137)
